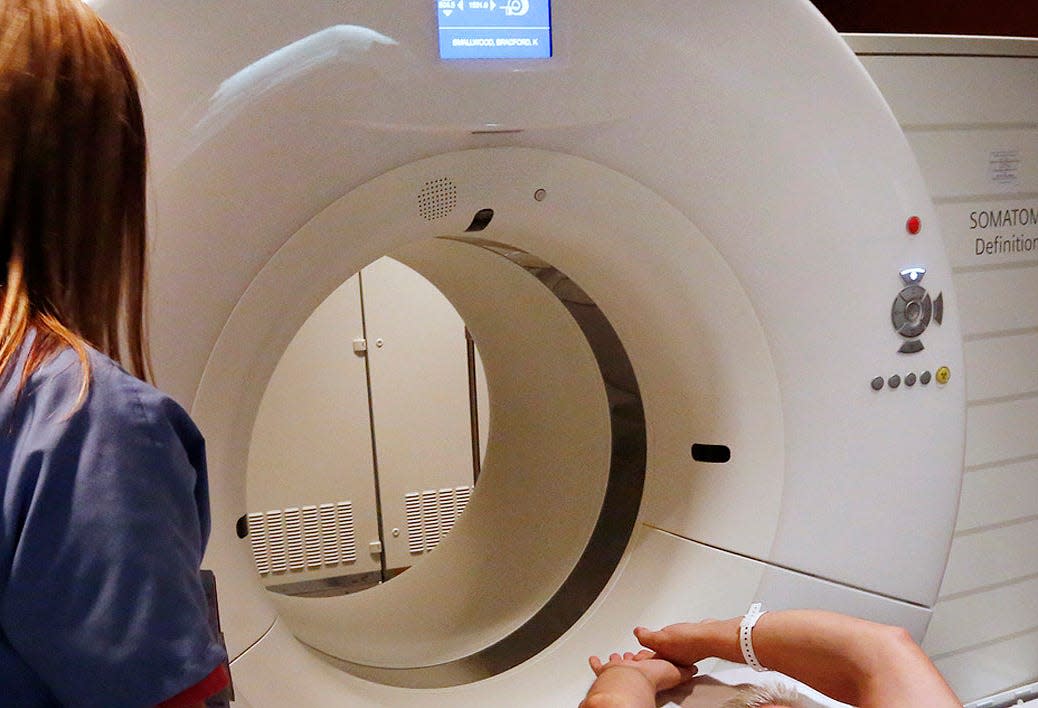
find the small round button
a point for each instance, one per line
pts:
(924, 378)
(910, 380)
(894, 381)
(943, 375)
(877, 383)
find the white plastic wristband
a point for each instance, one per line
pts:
(746, 635)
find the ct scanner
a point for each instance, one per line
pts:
(685, 244)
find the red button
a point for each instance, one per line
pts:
(914, 224)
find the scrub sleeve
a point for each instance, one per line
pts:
(104, 522)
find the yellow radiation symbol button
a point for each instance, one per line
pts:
(943, 375)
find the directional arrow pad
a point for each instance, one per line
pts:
(911, 311)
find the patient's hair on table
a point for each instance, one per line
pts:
(752, 696)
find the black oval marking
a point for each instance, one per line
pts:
(711, 453)
(481, 220)
(242, 527)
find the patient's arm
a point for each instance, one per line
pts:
(852, 660)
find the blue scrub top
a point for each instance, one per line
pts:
(103, 523)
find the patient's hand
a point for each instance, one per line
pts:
(690, 642)
(662, 674)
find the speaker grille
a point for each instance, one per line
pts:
(437, 198)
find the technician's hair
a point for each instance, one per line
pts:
(72, 190)
(753, 696)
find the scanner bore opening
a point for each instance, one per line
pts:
(615, 519)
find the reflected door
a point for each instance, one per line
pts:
(362, 454)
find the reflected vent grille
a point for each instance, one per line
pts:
(437, 198)
(431, 515)
(303, 538)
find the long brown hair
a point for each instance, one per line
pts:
(72, 189)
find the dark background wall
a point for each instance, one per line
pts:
(1008, 18)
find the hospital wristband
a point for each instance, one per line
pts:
(746, 636)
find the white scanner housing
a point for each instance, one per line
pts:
(721, 181)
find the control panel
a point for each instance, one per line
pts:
(913, 311)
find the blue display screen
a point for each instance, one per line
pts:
(494, 29)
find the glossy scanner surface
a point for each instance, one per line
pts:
(721, 179)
